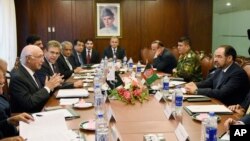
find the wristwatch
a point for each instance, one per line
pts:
(196, 91)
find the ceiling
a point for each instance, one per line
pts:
(236, 5)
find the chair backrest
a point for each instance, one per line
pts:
(246, 67)
(147, 55)
(206, 65)
(175, 52)
(240, 60)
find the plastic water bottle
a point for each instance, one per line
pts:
(138, 69)
(211, 128)
(102, 130)
(178, 101)
(99, 102)
(125, 61)
(165, 86)
(130, 64)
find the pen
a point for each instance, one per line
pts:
(39, 115)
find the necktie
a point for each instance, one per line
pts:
(55, 68)
(39, 85)
(80, 59)
(114, 52)
(88, 57)
(68, 63)
(220, 78)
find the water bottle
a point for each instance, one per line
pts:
(178, 101)
(99, 102)
(138, 69)
(130, 64)
(165, 86)
(102, 130)
(211, 128)
(124, 62)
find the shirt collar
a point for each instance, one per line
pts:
(31, 72)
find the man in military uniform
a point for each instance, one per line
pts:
(188, 66)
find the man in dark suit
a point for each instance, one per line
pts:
(50, 67)
(66, 62)
(77, 52)
(226, 81)
(114, 50)
(90, 55)
(164, 60)
(26, 92)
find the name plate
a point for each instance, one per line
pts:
(110, 115)
(169, 113)
(181, 133)
(115, 134)
(143, 81)
(159, 97)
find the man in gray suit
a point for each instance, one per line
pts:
(226, 81)
(27, 93)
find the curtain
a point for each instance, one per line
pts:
(8, 35)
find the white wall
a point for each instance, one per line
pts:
(232, 24)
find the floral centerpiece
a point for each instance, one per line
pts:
(130, 93)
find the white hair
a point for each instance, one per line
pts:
(27, 51)
(64, 44)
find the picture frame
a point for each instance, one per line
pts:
(108, 19)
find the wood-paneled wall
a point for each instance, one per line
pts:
(142, 22)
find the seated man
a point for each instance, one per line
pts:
(26, 91)
(77, 52)
(66, 62)
(90, 55)
(164, 60)
(50, 67)
(188, 66)
(8, 131)
(114, 50)
(226, 81)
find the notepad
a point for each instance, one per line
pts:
(72, 93)
(207, 108)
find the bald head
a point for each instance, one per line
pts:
(3, 65)
(32, 57)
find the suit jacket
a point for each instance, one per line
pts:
(7, 130)
(63, 66)
(246, 119)
(165, 62)
(94, 56)
(47, 71)
(24, 93)
(4, 107)
(76, 60)
(120, 53)
(232, 89)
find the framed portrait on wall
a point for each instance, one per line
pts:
(108, 20)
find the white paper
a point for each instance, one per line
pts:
(158, 96)
(50, 126)
(176, 83)
(168, 112)
(188, 96)
(181, 133)
(225, 137)
(65, 113)
(72, 93)
(208, 108)
(111, 74)
(68, 101)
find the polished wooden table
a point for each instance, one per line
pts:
(134, 121)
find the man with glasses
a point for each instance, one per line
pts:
(50, 67)
(26, 92)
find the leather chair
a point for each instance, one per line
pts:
(240, 60)
(206, 65)
(147, 55)
(246, 67)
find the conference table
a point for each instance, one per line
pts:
(134, 121)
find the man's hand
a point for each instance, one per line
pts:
(78, 70)
(78, 84)
(237, 109)
(54, 81)
(159, 51)
(14, 120)
(191, 88)
(16, 138)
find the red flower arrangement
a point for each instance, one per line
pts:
(130, 93)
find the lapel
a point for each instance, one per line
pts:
(47, 67)
(27, 75)
(64, 61)
(226, 75)
(76, 58)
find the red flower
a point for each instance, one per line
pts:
(138, 92)
(127, 95)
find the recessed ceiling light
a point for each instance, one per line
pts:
(228, 4)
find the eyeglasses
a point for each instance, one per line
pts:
(1, 85)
